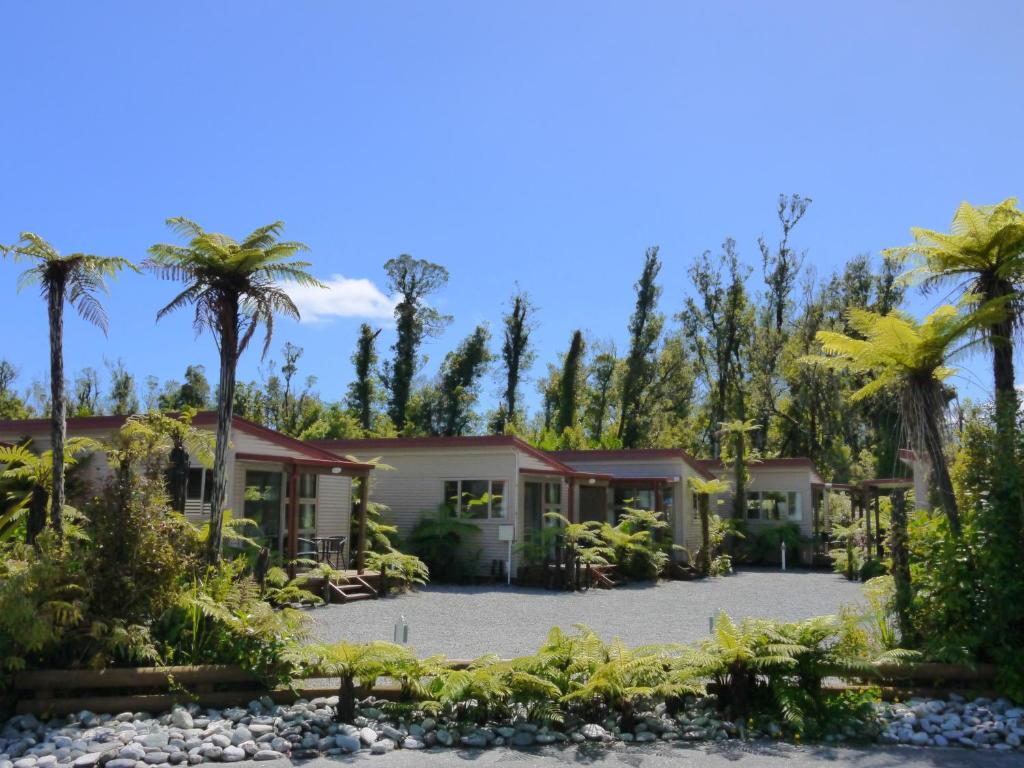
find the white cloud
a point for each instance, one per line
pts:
(343, 297)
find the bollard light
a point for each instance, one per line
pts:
(401, 631)
(783, 555)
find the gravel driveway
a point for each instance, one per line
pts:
(465, 622)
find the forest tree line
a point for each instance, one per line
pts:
(727, 346)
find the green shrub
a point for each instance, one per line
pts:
(442, 541)
(763, 544)
(638, 551)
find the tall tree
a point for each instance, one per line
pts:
(718, 323)
(76, 279)
(911, 359)
(600, 393)
(644, 331)
(193, 393)
(983, 255)
(234, 287)
(735, 456)
(11, 406)
(412, 281)
(569, 384)
(782, 265)
(362, 392)
(459, 383)
(86, 398)
(517, 356)
(123, 401)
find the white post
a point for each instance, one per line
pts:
(508, 570)
(401, 631)
(783, 555)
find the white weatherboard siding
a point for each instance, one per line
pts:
(334, 501)
(334, 507)
(415, 488)
(775, 479)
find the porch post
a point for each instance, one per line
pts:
(878, 527)
(570, 513)
(293, 518)
(867, 529)
(364, 497)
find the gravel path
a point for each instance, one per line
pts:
(465, 622)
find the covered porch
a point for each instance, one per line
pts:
(864, 501)
(303, 507)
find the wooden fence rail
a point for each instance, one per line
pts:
(155, 689)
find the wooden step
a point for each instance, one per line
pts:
(356, 588)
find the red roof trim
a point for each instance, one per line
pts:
(304, 462)
(462, 441)
(201, 419)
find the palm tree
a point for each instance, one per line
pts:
(705, 489)
(733, 435)
(76, 279)
(234, 288)
(983, 255)
(911, 359)
(26, 485)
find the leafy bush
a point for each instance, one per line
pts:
(442, 541)
(763, 544)
(761, 669)
(125, 584)
(221, 618)
(638, 551)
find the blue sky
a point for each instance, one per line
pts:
(541, 143)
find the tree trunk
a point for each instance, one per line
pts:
(739, 499)
(898, 548)
(35, 523)
(225, 411)
(58, 404)
(704, 561)
(944, 484)
(178, 481)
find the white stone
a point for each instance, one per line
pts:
(233, 754)
(368, 736)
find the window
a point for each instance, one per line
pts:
(307, 513)
(476, 499)
(774, 505)
(200, 485)
(633, 498)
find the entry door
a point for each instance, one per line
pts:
(593, 504)
(263, 505)
(533, 507)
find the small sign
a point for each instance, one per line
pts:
(506, 533)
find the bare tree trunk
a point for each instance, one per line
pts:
(739, 499)
(58, 403)
(225, 411)
(943, 482)
(898, 548)
(35, 522)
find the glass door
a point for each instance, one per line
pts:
(263, 505)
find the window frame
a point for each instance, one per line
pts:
(495, 511)
(793, 500)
